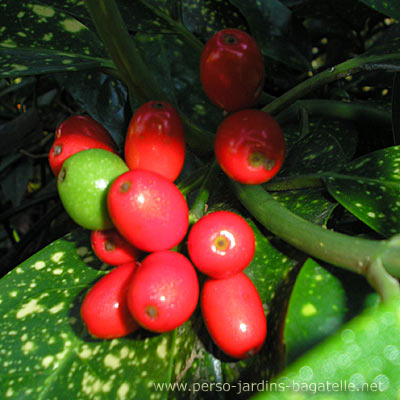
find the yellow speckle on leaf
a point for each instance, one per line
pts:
(162, 349)
(47, 361)
(43, 11)
(111, 361)
(39, 265)
(29, 308)
(308, 310)
(72, 25)
(56, 257)
(123, 391)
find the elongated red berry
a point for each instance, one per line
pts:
(250, 147)
(148, 210)
(155, 140)
(234, 315)
(111, 248)
(232, 70)
(163, 292)
(221, 244)
(104, 309)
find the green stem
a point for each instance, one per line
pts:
(123, 52)
(323, 78)
(294, 183)
(387, 286)
(200, 204)
(193, 181)
(336, 110)
(351, 253)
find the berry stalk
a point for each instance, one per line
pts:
(377, 260)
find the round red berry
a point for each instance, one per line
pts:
(250, 147)
(148, 210)
(155, 140)
(221, 244)
(68, 145)
(232, 70)
(163, 292)
(104, 309)
(234, 315)
(86, 126)
(111, 248)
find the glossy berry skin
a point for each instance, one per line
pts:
(111, 248)
(232, 70)
(85, 126)
(249, 146)
(67, 145)
(148, 210)
(221, 244)
(163, 292)
(155, 140)
(234, 315)
(104, 309)
(83, 184)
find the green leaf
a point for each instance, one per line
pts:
(37, 38)
(323, 299)
(310, 204)
(362, 361)
(46, 349)
(315, 153)
(269, 21)
(103, 97)
(369, 188)
(386, 7)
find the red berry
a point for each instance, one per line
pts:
(221, 244)
(250, 146)
(111, 248)
(148, 210)
(68, 145)
(104, 309)
(163, 292)
(155, 140)
(232, 70)
(234, 315)
(86, 126)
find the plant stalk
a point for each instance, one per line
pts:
(125, 55)
(332, 74)
(354, 254)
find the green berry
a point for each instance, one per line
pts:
(83, 183)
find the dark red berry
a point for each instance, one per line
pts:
(250, 146)
(232, 70)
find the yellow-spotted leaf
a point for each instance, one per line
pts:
(369, 188)
(37, 38)
(323, 299)
(46, 351)
(361, 361)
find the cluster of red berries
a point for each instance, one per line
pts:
(136, 212)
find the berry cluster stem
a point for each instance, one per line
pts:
(377, 260)
(349, 67)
